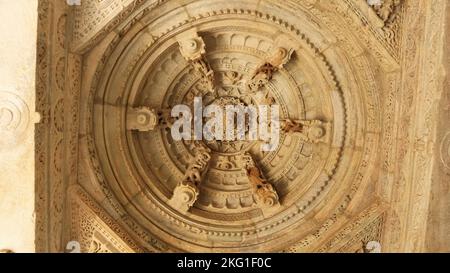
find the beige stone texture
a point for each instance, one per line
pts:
(18, 29)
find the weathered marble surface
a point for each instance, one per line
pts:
(18, 22)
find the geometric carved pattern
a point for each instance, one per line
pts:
(367, 227)
(94, 229)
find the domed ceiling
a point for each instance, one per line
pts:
(330, 66)
(244, 199)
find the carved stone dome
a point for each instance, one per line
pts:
(229, 195)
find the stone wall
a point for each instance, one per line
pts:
(56, 186)
(17, 99)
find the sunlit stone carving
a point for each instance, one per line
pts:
(347, 70)
(193, 49)
(184, 196)
(313, 131)
(265, 71)
(265, 194)
(186, 193)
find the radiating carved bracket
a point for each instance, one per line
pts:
(193, 49)
(186, 193)
(265, 193)
(264, 73)
(142, 119)
(312, 131)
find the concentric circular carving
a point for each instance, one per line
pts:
(141, 171)
(14, 118)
